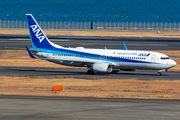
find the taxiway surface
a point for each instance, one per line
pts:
(81, 73)
(68, 108)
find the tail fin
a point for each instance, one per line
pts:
(38, 38)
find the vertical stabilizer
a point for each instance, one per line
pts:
(38, 38)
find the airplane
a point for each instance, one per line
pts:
(96, 60)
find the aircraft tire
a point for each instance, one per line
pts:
(90, 72)
(159, 73)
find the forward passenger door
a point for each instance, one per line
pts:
(153, 59)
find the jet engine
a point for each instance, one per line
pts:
(102, 67)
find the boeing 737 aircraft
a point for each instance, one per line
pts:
(96, 60)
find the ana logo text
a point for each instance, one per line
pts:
(38, 33)
(144, 54)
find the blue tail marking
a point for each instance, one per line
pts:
(38, 38)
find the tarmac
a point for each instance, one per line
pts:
(71, 108)
(82, 73)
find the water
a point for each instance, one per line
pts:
(95, 10)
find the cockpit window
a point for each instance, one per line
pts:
(164, 58)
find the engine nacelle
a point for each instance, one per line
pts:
(102, 67)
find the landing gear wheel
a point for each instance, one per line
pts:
(91, 72)
(159, 73)
(114, 71)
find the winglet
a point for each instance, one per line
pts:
(30, 54)
(124, 46)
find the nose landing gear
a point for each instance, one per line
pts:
(159, 73)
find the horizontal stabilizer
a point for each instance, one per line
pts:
(29, 52)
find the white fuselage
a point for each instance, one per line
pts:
(121, 59)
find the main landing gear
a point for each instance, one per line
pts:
(90, 72)
(159, 73)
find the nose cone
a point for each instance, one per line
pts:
(172, 63)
